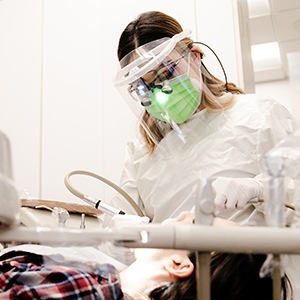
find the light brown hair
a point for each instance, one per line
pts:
(153, 25)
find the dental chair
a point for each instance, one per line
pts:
(9, 199)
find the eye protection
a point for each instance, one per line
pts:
(159, 78)
(141, 60)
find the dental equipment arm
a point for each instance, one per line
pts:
(282, 164)
(234, 239)
(99, 204)
(275, 195)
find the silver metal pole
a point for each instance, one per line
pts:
(276, 275)
(203, 275)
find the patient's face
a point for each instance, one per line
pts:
(184, 217)
(188, 217)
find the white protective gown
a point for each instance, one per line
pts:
(231, 143)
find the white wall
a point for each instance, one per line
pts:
(287, 91)
(58, 105)
(20, 86)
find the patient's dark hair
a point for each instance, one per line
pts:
(233, 277)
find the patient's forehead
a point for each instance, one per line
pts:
(184, 217)
(189, 217)
(153, 255)
(224, 222)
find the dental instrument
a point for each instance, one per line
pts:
(99, 204)
(82, 224)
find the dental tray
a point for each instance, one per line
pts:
(35, 213)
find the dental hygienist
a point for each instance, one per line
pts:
(193, 126)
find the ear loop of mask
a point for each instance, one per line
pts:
(225, 76)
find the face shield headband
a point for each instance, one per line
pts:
(162, 83)
(141, 60)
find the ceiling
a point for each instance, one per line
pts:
(275, 21)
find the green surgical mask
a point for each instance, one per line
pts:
(177, 106)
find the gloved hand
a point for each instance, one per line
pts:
(233, 193)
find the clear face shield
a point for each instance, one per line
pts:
(162, 83)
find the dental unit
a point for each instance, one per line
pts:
(281, 162)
